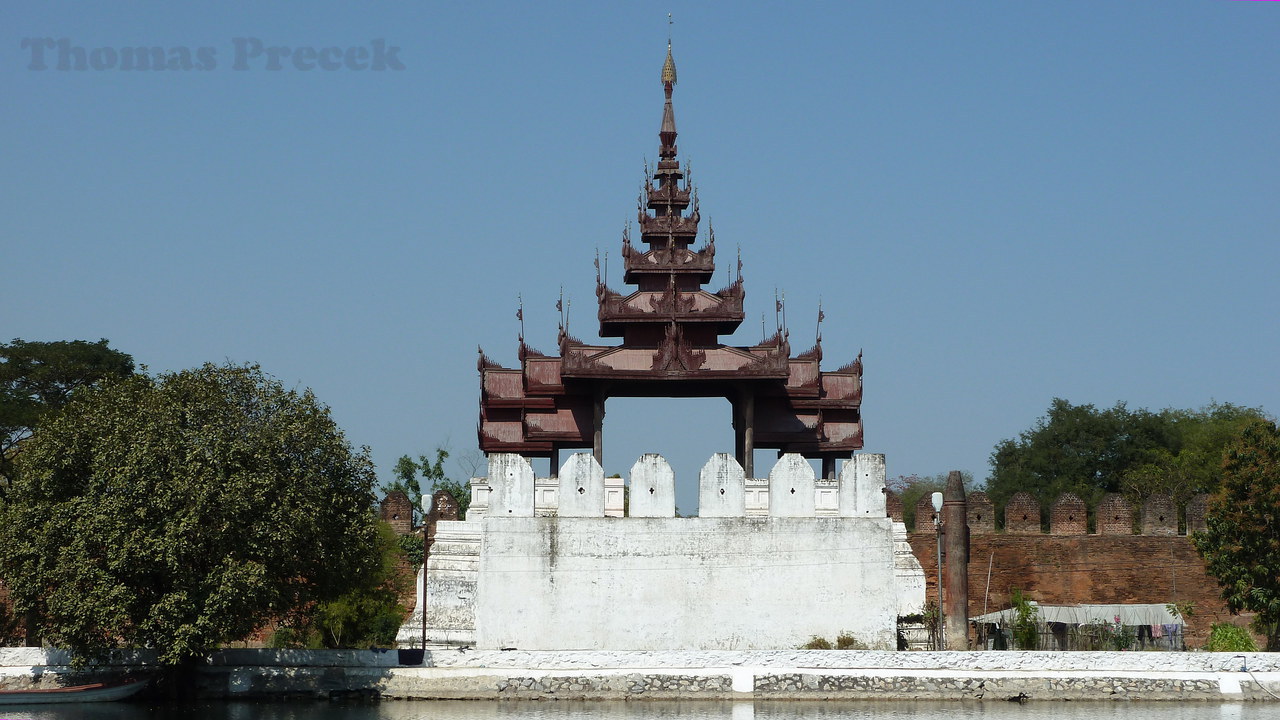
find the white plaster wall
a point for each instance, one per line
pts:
(510, 486)
(908, 573)
(722, 488)
(451, 587)
(791, 487)
(653, 488)
(683, 583)
(581, 487)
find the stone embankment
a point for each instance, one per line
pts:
(793, 674)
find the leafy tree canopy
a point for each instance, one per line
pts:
(406, 471)
(1089, 452)
(37, 378)
(183, 511)
(365, 616)
(910, 488)
(1241, 545)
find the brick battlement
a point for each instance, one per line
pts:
(1159, 515)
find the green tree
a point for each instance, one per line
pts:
(1089, 452)
(1241, 543)
(1075, 448)
(406, 472)
(369, 615)
(1026, 619)
(38, 378)
(910, 488)
(433, 472)
(1192, 463)
(184, 511)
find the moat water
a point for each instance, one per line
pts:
(652, 710)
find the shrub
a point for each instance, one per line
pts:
(846, 641)
(1225, 637)
(1026, 634)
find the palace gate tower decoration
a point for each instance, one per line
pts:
(670, 328)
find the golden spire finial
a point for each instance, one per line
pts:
(669, 67)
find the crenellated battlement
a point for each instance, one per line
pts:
(580, 489)
(1158, 515)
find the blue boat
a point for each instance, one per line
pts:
(93, 692)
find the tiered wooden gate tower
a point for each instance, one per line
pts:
(670, 328)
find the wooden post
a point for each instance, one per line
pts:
(736, 406)
(598, 427)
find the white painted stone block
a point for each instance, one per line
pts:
(581, 487)
(791, 487)
(653, 487)
(479, 506)
(826, 497)
(510, 486)
(862, 486)
(615, 497)
(722, 488)
(545, 496)
(757, 497)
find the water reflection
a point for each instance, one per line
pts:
(652, 710)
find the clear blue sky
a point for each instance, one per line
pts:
(999, 202)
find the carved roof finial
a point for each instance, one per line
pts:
(520, 315)
(667, 133)
(669, 67)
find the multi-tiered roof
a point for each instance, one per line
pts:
(670, 328)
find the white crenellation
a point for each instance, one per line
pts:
(653, 487)
(510, 486)
(791, 487)
(722, 488)
(862, 486)
(581, 487)
(724, 491)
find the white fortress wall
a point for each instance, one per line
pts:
(819, 558)
(684, 583)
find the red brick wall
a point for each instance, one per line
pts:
(1197, 508)
(1159, 516)
(1115, 515)
(1022, 514)
(982, 514)
(1068, 516)
(397, 511)
(893, 505)
(925, 514)
(1065, 570)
